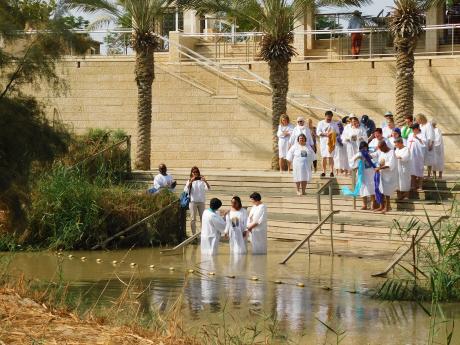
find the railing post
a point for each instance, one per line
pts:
(331, 204)
(370, 44)
(353, 184)
(453, 38)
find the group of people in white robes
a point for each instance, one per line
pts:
(236, 225)
(393, 159)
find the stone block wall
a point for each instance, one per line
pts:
(223, 124)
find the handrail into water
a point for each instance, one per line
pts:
(412, 244)
(318, 197)
(129, 228)
(183, 244)
(310, 235)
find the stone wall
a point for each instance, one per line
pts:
(203, 119)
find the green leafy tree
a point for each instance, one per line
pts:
(406, 26)
(276, 19)
(32, 41)
(144, 17)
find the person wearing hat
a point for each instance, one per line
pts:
(213, 226)
(417, 147)
(356, 23)
(388, 119)
(327, 132)
(387, 131)
(395, 134)
(301, 128)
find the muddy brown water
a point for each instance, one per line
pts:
(243, 291)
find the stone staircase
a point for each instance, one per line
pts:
(292, 217)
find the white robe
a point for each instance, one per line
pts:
(388, 177)
(387, 132)
(404, 169)
(438, 151)
(352, 137)
(325, 128)
(428, 132)
(236, 224)
(163, 181)
(367, 183)
(258, 215)
(213, 225)
(283, 140)
(302, 158)
(298, 131)
(417, 154)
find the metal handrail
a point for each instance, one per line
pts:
(310, 235)
(126, 140)
(318, 197)
(182, 244)
(412, 244)
(133, 226)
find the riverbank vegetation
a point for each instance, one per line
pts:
(80, 200)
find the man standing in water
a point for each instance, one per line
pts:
(213, 226)
(257, 225)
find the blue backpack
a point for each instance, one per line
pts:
(184, 198)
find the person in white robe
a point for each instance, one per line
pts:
(438, 166)
(258, 224)
(402, 155)
(374, 143)
(428, 132)
(285, 129)
(396, 133)
(367, 188)
(340, 156)
(353, 136)
(416, 144)
(212, 228)
(236, 224)
(387, 166)
(163, 180)
(327, 131)
(301, 128)
(301, 156)
(388, 130)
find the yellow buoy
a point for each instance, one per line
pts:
(152, 267)
(254, 278)
(83, 258)
(59, 253)
(114, 262)
(231, 277)
(171, 268)
(70, 256)
(212, 273)
(98, 261)
(299, 284)
(278, 282)
(133, 264)
(191, 271)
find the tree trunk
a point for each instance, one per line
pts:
(279, 81)
(145, 75)
(404, 86)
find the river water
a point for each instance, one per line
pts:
(244, 291)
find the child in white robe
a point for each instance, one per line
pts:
(402, 155)
(284, 134)
(387, 166)
(257, 224)
(438, 166)
(416, 144)
(213, 226)
(236, 224)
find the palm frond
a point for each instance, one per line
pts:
(406, 23)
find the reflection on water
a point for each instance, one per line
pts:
(336, 291)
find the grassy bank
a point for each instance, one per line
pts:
(80, 201)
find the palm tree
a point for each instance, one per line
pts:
(143, 16)
(406, 26)
(276, 19)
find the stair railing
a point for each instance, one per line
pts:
(411, 245)
(310, 235)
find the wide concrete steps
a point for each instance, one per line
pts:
(292, 217)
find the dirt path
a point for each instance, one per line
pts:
(23, 321)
